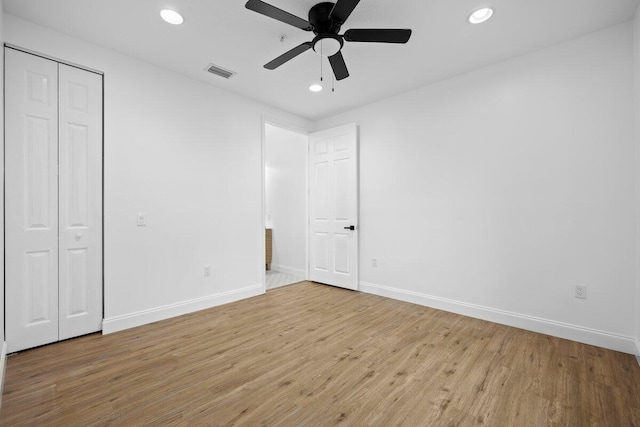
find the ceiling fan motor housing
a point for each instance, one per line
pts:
(319, 17)
(327, 41)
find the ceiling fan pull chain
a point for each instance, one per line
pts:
(332, 83)
(320, 61)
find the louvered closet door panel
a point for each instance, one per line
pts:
(80, 160)
(31, 200)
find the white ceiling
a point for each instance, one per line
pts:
(223, 32)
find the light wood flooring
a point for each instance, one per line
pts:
(314, 355)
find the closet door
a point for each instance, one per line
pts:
(80, 202)
(53, 209)
(31, 194)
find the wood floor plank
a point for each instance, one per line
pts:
(314, 355)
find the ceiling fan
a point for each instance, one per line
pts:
(325, 20)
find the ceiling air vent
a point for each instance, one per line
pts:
(219, 71)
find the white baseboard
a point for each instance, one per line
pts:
(144, 317)
(3, 368)
(549, 327)
(298, 272)
(638, 351)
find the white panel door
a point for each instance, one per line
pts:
(31, 194)
(53, 209)
(334, 206)
(80, 201)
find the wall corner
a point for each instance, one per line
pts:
(636, 146)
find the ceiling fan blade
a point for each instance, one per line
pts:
(378, 35)
(339, 67)
(342, 9)
(278, 14)
(287, 56)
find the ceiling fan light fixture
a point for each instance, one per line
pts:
(171, 16)
(481, 15)
(327, 46)
(315, 87)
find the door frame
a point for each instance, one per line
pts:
(283, 124)
(3, 171)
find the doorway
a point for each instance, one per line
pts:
(53, 200)
(310, 205)
(285, 205)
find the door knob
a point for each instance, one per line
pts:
(78, 236)
(351, 227)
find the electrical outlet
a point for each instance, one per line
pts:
(581, 292)
(142, 220)
(207, 270)
(374, 262)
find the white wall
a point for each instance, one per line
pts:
(636, 51)
(2, 186)
(495, 193)
(2, 343)
(491, 194)
(186, 154)
(285, 198)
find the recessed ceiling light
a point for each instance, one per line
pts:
(171, 16)
(481, 15)
(315, 87)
